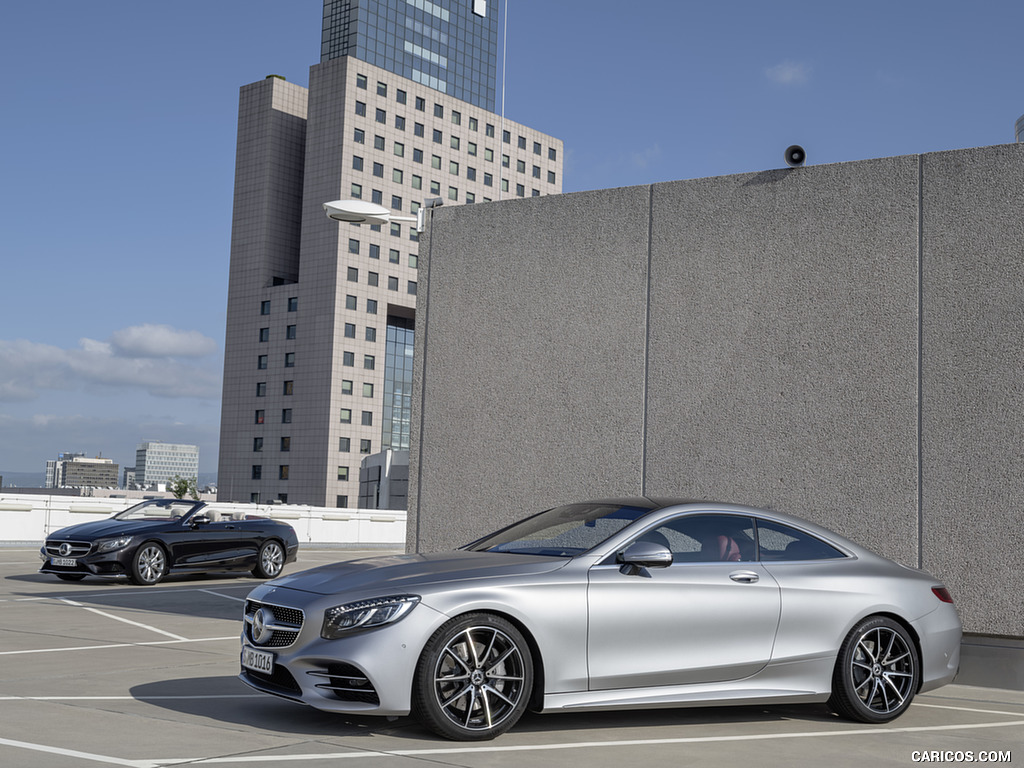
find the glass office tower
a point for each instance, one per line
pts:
(451, 47)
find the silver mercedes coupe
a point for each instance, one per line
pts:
(626, 603)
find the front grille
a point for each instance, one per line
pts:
(347, 683)
(287, 623)
(78, 548)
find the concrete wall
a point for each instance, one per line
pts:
(840, 342)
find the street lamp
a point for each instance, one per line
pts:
(362, 212)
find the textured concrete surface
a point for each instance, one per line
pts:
(841, 342)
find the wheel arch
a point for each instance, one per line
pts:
(913, 636)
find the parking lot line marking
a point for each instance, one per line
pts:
(121, 618)
(82, 755)
(968, 709)
(590, 744)
(118, 645)
(137, 698)
(218, 594)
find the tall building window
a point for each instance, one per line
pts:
(361, 81)
(264, 307)
(365, 446)
(286, 415)
(346, 387)
(257, 444)
(289, 332)
(369, 361)
(341, 501)
(361, 108)
(260, 416)
(293, 304)
(357, 163)
(381, 116)
(261, 389)
(344, 444)
(288, 389)
(286, 444)
(353, 274)
(257, 471)
(346, 415)
(289, 359)
(261, 362)
(282, 472)
(343, 473)
(350, 330)
(367, 389)
(367, 418)
(348, 358)
(382, 89)
(397, 399)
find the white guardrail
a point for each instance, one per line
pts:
(28, 517)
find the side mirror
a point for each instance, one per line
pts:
(198, 520)
(645, 554)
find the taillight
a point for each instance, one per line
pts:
(943, 594)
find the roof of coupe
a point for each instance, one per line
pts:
(602, 604)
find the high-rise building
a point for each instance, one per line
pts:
(321, 315)
(1019, 129)
(157, 462)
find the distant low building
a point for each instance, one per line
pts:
(75, 470)
(158, 463)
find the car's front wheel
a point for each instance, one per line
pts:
(474, 678)
(149, 565)
(269, 561)
(877, 672)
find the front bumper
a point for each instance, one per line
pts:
(368, 672)
(111, 564)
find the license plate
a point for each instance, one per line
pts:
(258, 661)
(63, 562)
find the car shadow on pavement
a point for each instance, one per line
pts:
(205, 697)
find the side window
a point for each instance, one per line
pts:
(706, 538)
(780, 542)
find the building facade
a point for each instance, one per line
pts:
(158, 463)
(321, 315)
(75, 470)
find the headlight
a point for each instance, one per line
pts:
(109, 545)
(365, 614)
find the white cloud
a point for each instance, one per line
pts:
(647, 157)
(142, 358)
(789, 73)
(161, 341)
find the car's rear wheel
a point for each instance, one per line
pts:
(70, 576)
(877, 672)
(474, 678)
(149, 565)
(269, 561)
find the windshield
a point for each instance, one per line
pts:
(157, 509)
(563, 531)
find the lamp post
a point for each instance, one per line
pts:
(362, 212)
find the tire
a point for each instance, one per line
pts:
(474, 678)
(269, 560)
(877, 672)
(70, 576)
(149, 564)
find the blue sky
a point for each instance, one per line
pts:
(118, 126)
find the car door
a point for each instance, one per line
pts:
(219, 542)
(702, 619)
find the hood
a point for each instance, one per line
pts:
(104, 528)
(401, 573)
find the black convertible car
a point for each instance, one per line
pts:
(154, 538)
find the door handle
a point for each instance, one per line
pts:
(744, 577)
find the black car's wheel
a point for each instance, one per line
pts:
(877, 672)
(70, 576)
(149, 565)
(474, 678)
(269, 561)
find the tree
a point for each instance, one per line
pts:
(179, 486)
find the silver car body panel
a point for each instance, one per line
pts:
(603, 637)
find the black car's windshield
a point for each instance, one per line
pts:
(563, 531)
(157, 509)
